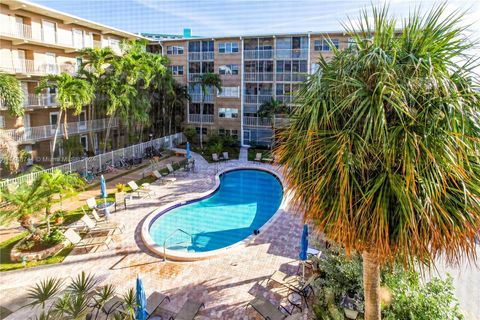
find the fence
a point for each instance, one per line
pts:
(101, 160)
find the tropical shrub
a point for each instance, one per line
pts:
(190, 133)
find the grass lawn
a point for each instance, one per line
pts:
(252, 152)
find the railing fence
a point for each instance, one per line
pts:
(101, 160)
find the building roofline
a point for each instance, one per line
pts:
(252, 35)
(68, 18)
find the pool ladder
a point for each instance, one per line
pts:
(171, 235)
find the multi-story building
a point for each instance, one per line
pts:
(254, 69)
(36, 41)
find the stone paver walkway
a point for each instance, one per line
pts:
(243, 154)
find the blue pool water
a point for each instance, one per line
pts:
(245, 200)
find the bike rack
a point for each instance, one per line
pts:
(171, 235)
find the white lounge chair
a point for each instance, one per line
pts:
(225, 156)
(258, 157)
(105, 223)
(91, 203)
(158, 175)
(120, 199)
(144, 191)
(92, 242)
(93, 228)
(215, 157)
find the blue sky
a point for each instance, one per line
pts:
(236, 17)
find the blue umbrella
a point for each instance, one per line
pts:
(103, 187)
(141, 312)
(188, 151)
(304, 247)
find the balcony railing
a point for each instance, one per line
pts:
(197, 118)
(207, 55)
(285, 98)
(194, 76)
(257, 54)
(257, 122)
(197, 97)
(27, 134)
(29, 67)
(291, 76)
(252, 98)
(291, 53)
(26, 32)
(44, 100)
(258, 77)
(97, 44)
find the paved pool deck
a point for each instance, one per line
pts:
(225, 283)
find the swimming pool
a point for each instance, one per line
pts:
(243, 202)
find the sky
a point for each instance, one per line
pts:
(240, 17)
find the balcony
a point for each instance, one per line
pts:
(259, 99)
(291, 76)
(291, 53)
(22, 33)
(194, 77)
(258, 77)
(32, 134)
(258, 54)
(197, 118)
(30, 67)
(39, 101)
(197, 56)
(257, 122)
(285, 98)
(197, 97)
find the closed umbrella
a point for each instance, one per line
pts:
(188, 151)
(141, 312)
(303, 249)
(103, 187)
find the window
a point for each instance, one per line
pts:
(174, 50)
(228, 132)
(176, 70)
(323, 45)
(207, 46)
(228, 47)
(229, 92)
(2, 122)
(228, 113)
(228, 69)
(314, 67)
(204, 130)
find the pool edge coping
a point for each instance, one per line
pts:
(180, 256)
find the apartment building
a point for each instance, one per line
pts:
(36, 41)
(254, 69)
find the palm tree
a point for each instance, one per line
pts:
(383, 151)
(206, 81)
(11, 94)
(9, 152)
(72, 93)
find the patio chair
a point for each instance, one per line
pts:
(258, 157)
(105, 223)
(188, 311)
(158, 175)
(146, 192)
(294, 283)
(215, 157)
(93, 228)
(225, 156)
(120, 199)
(91, 203)
(268, 311)
(93, 242)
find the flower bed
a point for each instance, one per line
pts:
(16, 254)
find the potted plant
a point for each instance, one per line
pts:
(59, 216)
(121, 187)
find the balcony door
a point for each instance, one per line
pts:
(24, 86)
(82, 121)
(77, 38)
(84, 142)
(53, 121)
(21, 66)
(19, 27)
(27, 126)
(48, 29)
(50, 63)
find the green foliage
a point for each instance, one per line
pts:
(54, 237)
(414, 300)
(190, 133)
(270, 108)
(11, 94)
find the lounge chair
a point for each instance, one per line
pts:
(158, 175)
(268, 311)
(294, 283)
(144, 191)
(93, 242)
(102, 222)
(258, 157)
(188, 311)
(215, 157)
(225, 156)
(93, 228)
(91, 203)
(120, 199)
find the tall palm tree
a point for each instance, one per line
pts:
(9, 152)
(72, 93)
(383, 151)
(206, 81)
(11, 94)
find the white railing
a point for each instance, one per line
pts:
(251, 98)
(208, 55)
(26, 134)
(43, 100)
(291, 53)
(258, 76)
(197, 97)
(26, 66)
(291, 76)
(25, 31)
(280, 121)
(197, 118)
(257, 54)
(101, 160)
(194, 76)
(285, 98)
(257, 121)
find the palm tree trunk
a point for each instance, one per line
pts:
(371, 285)
(90, 118)
(26, 223)
(201, 123)
(52, 154)
(107, 133)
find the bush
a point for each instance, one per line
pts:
(121, 187)
(55, 237)
(190, 133)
